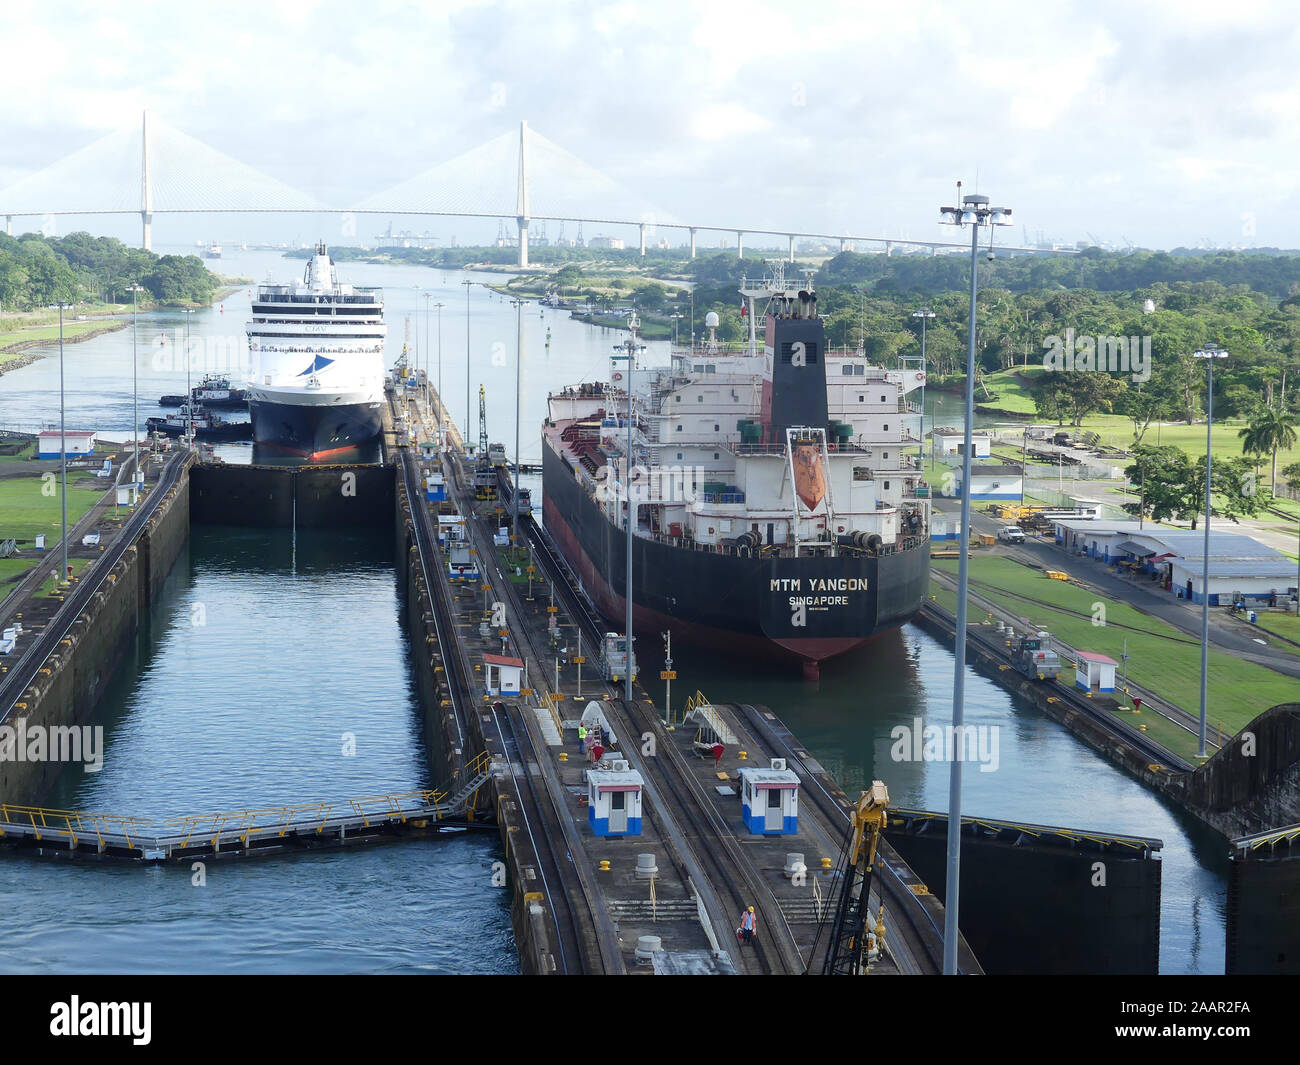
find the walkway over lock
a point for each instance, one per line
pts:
(242, 832)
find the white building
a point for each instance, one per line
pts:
(1241, 567)
(953, 442)
(80, 442)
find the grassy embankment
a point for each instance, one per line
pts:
(1161, 658)
(27, 511)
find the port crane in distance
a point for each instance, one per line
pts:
(854, 942)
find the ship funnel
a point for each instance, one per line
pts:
(803, 304)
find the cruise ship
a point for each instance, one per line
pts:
(316, 354)
(775, 509)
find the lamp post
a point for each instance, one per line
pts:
(467, 282)
(676, 317)
(924, 314)
(519, 362)
(974, 212)
(440, 307)
(189, 391)
(135, 389)
(1209, 354)
(63, 451)
(427, 296)
(629, 348)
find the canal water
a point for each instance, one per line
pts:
(314, 636)
(273, 670)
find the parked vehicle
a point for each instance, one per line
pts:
(1011, 534)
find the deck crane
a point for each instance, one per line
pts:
(854, 942)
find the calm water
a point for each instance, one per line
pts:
(260, 657)
(325, 633)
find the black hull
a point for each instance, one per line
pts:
(315, 431)
(748, 603)
(226, 431)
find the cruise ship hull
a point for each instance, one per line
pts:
(314, 430)
(744, 604)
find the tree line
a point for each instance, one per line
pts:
(38, 271)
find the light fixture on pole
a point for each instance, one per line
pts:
(189, 391)
(519, 362)
(1209, 354)
(440, 307)
(63, 451)
(925, 314)
(135, 389)
(974, 212)
(427, 296)
(629, 348)
(467, 282)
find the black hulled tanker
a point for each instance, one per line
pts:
(775, 509)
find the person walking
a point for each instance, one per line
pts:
(582, 738)
(747, 923)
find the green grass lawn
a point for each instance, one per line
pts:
(1160, 657)
(43, 333)
(26, 511)
(1287, 625)
(1013, 396)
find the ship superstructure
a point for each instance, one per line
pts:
(771, 493)
(316, 383)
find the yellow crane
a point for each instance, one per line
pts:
(854, 942)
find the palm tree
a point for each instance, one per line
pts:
(1269, 431)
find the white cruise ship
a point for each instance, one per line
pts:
(316, 348)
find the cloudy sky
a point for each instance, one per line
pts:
(1160, 123)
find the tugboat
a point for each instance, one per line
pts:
(205, 425)
(213, 392)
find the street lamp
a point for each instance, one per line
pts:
(467, 282)
(519, 362)
(427, 296)
(676, 317)
(63, 449)
(1209, 354)
(974, 212)
(135, 389)
(925, 314)
(189, 392)
(629, 347)
(440, 307)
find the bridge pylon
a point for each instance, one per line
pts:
(521, 203)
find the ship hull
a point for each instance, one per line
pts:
(314, 430)
(809, 608)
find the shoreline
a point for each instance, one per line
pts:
(30, 348)
(31, 352)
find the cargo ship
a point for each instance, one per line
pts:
(316, 384)
(773, 507)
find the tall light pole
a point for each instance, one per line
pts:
(63, 451)
(924, 314)
(974, 212)
(427, 296)
(629, 348)
(135, 388)
(189, 392)
(1209, 354)
(467, 282)
(519, 363)
(440, 307)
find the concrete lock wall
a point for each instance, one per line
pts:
(82, 666)
(1253, 783)
(282, 496)
(1013, 896)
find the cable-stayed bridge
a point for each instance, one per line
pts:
(154, 168)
